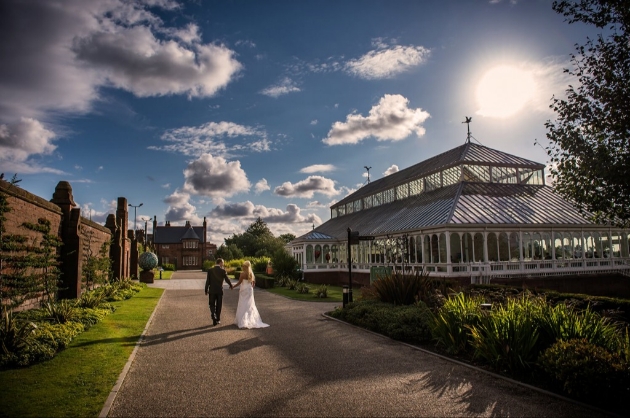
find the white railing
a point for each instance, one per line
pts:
(493, 269)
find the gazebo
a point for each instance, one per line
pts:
(472, 213)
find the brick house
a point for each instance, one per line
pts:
(184, 246)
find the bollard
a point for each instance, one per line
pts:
(349, 295)
(345, 295)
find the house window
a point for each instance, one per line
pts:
(190, 261)
(190, 244)
(164, 247)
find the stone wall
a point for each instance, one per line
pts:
(79, 235)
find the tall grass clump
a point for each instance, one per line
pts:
(400, 288)
(506, 337)
(451, 324)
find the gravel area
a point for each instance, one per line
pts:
(302, 365)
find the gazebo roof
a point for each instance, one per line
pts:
(468, 153)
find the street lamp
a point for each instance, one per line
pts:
(134, 219)
(145, 232)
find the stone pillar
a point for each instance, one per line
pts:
(122, 218)
(71, 252)
(115, 249)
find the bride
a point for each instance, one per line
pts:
(247, 315)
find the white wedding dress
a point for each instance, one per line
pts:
(247, 315)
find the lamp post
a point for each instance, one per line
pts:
(134, 218)
(145, 233)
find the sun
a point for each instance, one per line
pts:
(504, 90)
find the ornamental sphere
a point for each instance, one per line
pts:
(147, 261)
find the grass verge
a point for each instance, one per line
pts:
(335, 293)
(77, 381)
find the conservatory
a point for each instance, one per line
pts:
(470, 212)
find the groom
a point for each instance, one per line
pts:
(214, 286)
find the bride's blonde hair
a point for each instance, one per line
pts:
(247, 269)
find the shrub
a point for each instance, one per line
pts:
(14, 333)
(564, 322)
(291, 284)
(402, 288)
(90, 300)
(281, 281)
(408, 323)
(169, 267)
(451, 325)
(507, 337)
(302, 288)
(284, 264)
(207, 265)
(61, 312)
(259, 265)
(585, 370)
(321, 291)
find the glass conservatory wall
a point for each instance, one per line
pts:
(467, 248)
(515, 247)
(456, 248)
(493, 247)
(327, 256)
(442, 242)
(309, 254)
(412, 250)
(419, 249)
(478, 247)
(504, 247)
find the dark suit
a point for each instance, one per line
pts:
(214, 287)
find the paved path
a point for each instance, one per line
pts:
(302, 365)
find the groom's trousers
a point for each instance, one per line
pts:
(216, 303)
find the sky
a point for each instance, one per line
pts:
(234, 110)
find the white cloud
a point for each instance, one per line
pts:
(307, 188)
(261, 186)
(391, 170)
(314, 122)
(61, 56)
(210, 138)
(179, 208)
(215, 177)
(285, 86)
(387, 62)
(20, 140)
(166, 186)
(389, 120)
(318, 168)
(269, 215)
(315, 204)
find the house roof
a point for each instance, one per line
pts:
(175, 234)
(464, 203)
(468, 153)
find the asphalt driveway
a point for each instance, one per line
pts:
(302, 365)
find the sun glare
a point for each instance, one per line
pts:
(503, 91)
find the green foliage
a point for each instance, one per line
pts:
(256, 241)
(97, 269)
(585, 370)
(282, 281)
(259, 265)
(563, 322)
(408, 323)
(292, 284)
(14, 333)
(207, 265)
(90, 300)
(61, 312)
(287, 238)
(507, 336)
(302, 288)
(401, 288)
(452, 323)
(321, 291)
(285, 265)
(589, 140)
(169, 267)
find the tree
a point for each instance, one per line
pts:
(256, 241)
(589, 140)
(287, 238)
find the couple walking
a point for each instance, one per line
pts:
(247, 315)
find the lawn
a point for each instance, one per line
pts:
(335, 293)
(78, 380)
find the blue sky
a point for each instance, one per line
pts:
(239, 109)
